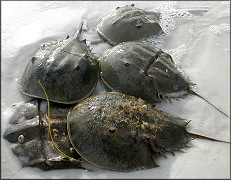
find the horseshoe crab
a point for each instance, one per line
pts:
(128, 23)
(113, 131)
(66, 70)
(29, 134)
(138, 68)
(118, 132)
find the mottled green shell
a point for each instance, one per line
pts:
(138, 68)
(65, 69)
(128, 23)
(119, 132)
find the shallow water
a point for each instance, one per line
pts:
(199, 42)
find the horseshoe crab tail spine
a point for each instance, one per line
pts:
(194, 93)
(205, 137)
(79, 30)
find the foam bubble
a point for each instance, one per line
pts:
(168, 14)
(215, 29)
(225, 27)
(226, 12)
(157, 40)
(177, 53)
(226, 3)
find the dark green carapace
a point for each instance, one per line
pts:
(65, 69)
(119, 132)
(139, 69)
(128, 23)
